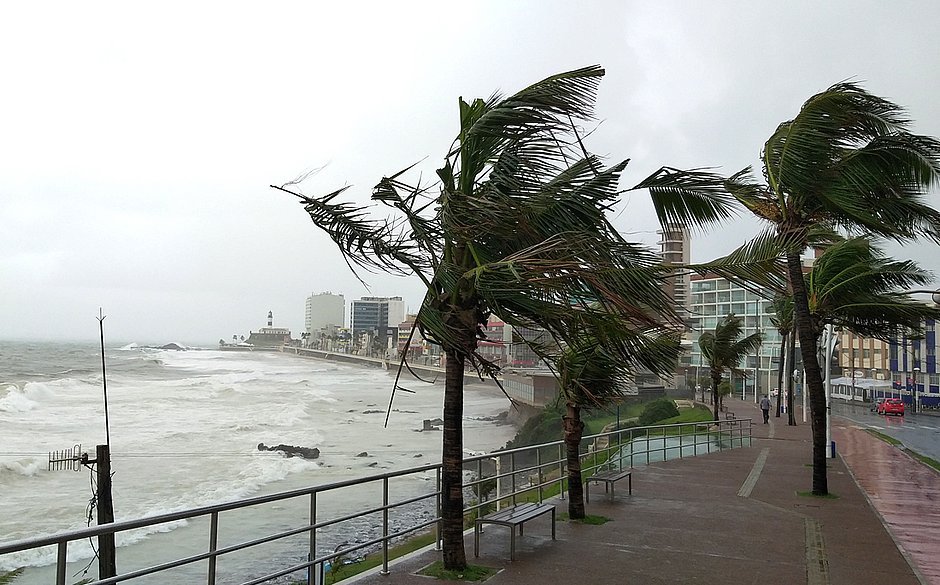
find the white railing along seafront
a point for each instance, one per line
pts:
(492, 480)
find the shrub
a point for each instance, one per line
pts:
(658, 410)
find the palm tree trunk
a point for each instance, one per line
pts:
(574, 430)
(716, 381)
(783, 352)
(454, 555)
(814, 382)
(791, 415)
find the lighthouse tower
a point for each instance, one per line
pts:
(270, 337)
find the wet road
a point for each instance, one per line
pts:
(919, 432)
(905, 492)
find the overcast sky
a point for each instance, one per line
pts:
(138, 140)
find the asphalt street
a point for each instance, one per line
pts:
(919, 432)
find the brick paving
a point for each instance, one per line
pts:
(730, 517)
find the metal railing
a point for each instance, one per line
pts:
(490, 481)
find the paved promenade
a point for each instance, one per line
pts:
(732, 517)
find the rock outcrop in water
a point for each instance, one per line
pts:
(292, 451)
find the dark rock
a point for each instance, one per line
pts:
(292, 450)
(363, 454)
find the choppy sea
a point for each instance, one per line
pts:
(184, 431)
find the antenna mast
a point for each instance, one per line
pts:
(104, 381)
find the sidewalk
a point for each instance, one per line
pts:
(728, 517)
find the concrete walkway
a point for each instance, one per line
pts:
(729, 517)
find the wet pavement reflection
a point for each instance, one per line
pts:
(905, 492)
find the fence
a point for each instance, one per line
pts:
(490, 481)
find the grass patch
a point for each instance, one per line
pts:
(886, 438)
(6, 578)
(829, 496)
(690, 415)
(592, 519)
(472, 572)
(928, 461)
(372, 560)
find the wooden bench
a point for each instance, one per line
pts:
(609, 478)
(513, 516)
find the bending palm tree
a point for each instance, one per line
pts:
(854, 286)
(723, 349)
(845, 161)
(593, 372)
(517, 228)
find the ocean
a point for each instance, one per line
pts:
(185, 428)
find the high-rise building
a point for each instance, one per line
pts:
(674, 248)
(324, 310)
(377, 317)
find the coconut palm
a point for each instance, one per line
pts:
(593, 372)
(724, 348)
(848, 161)
(516, 228)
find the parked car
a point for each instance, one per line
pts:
(892, 406)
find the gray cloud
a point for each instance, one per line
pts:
(138, 141)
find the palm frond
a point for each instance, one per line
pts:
(689, 198)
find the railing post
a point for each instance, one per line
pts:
(437, 525)
(538, 465)
(561, 473)
(61, 560)
(385, 526)
(213, 545)
(512, 469)
(314, 572)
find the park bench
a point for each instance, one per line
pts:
(513, 516)
(609, 478)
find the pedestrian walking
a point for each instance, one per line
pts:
(765, 408)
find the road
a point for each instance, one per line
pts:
(918, 432)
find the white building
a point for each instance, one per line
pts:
(324, 310)
(713, 298)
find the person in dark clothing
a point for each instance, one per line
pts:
(765, 408)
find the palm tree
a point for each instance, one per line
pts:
(854, 286)
(723, 349)
(593, 372)
(847, 160)
(783, 321)
(516, 228)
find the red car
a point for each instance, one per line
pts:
(891, 406)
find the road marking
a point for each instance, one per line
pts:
(752, 477)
